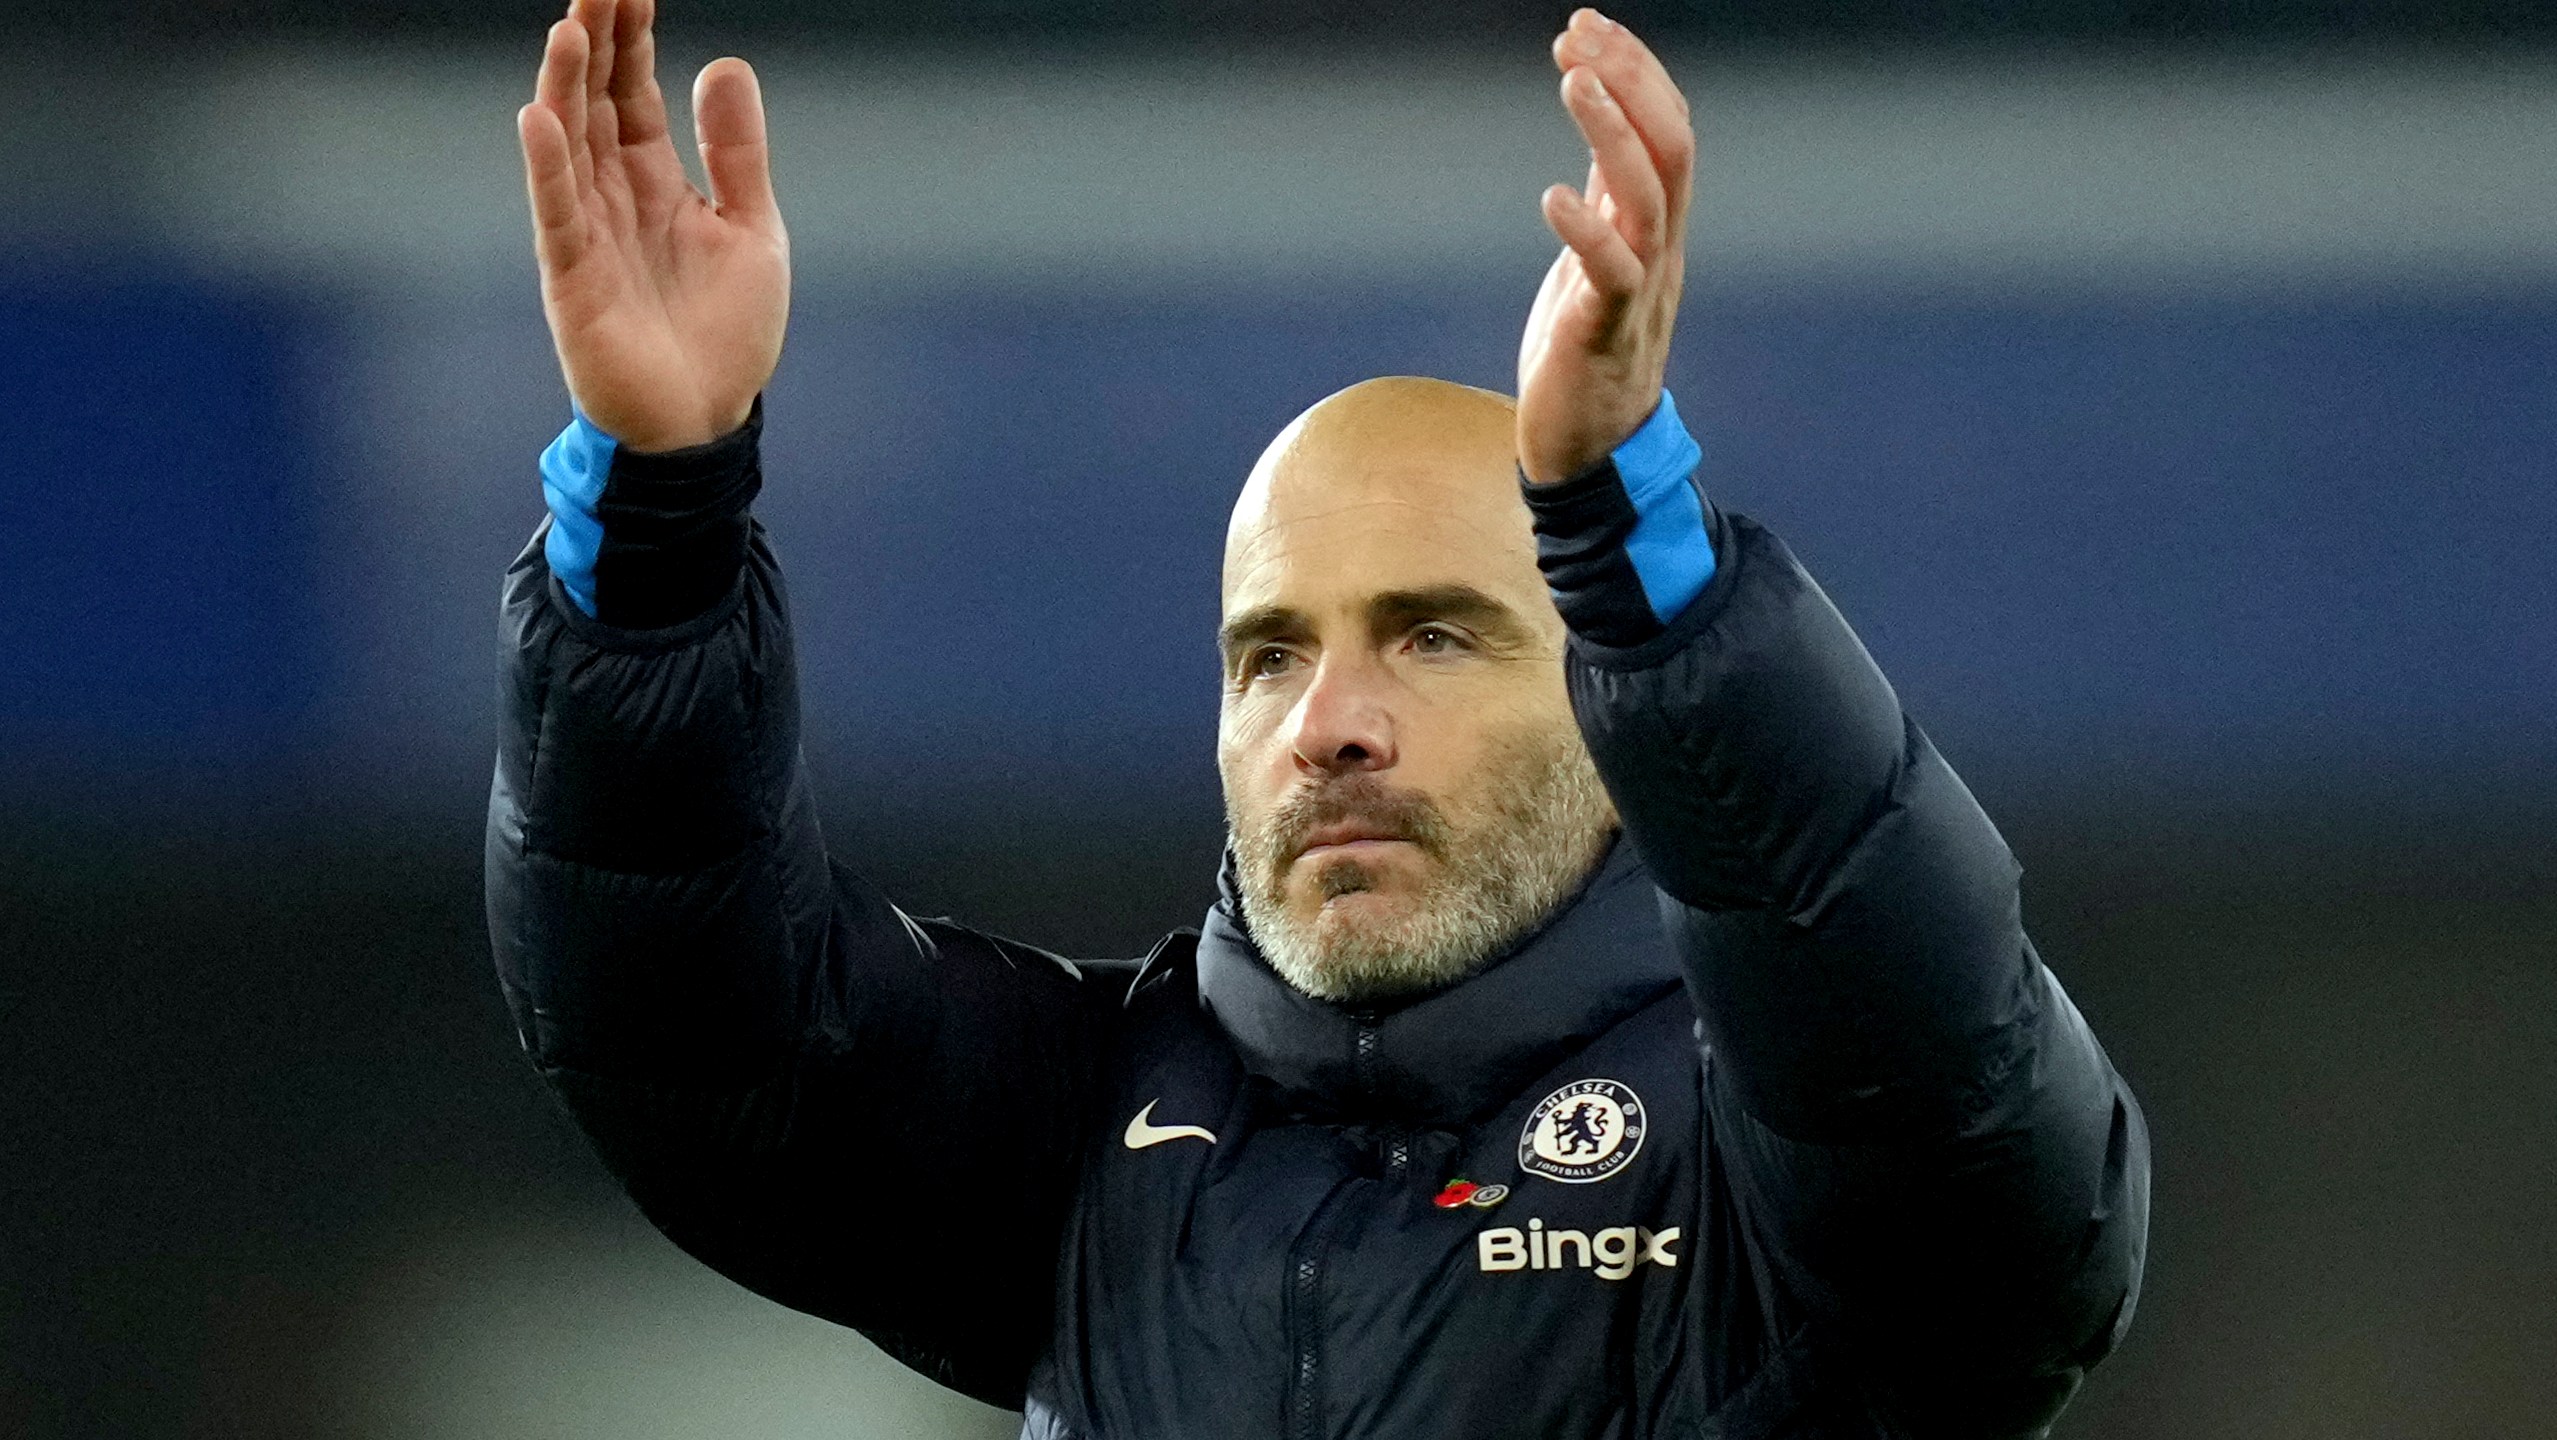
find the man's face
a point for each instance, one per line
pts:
(1406, 788)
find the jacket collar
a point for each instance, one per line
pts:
(1454, 1055)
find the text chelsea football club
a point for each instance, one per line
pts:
(1613, 1253)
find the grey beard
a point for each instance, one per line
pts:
(1487, 884)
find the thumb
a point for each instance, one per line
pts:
(728, 118)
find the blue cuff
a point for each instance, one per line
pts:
(1671, 550)
(573, 472)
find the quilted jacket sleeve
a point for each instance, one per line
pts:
(1933, 1157)
(858, 1114)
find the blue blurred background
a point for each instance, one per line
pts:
(2165, 392)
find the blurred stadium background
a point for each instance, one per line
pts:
(2165, 389)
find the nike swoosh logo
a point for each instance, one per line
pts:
(1142, 1131)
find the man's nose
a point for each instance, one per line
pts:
(1342, 722)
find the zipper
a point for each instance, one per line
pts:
(1398, 1141)
(1306, 1264)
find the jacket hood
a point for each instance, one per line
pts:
(1450, 1056)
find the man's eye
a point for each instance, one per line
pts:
(1267, 661)
(1435, 640)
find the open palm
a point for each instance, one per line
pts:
(1597, 338)
(667, 307)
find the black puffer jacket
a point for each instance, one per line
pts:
(1887, 1185)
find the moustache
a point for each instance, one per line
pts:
(1362, 800)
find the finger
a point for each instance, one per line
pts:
(603, 129)
(637, 102)
(639, 106)
(1631, 67)
(728, 118)
(551, 181)
(1630, 176)
(596, 16)
(1611, 265)
(1651, 100)
(561, 89)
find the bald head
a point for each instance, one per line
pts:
(1400, 441)
(1406, 786)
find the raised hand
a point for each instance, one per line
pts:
(1597, 341)
(667, 307)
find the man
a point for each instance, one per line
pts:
(1617, 1020)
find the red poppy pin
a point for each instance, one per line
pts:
(1466, 1192)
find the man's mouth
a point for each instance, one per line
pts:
(1348, 837)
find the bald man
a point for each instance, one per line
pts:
(1616, 1020)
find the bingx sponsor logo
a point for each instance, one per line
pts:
(1612, 1254)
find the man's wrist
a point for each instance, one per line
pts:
(1627, 544)
(642, 540)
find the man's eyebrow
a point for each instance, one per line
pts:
(1387, 612)
(1463, 605)
(1261, 622)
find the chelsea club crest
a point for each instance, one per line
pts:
(1585, 1131)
